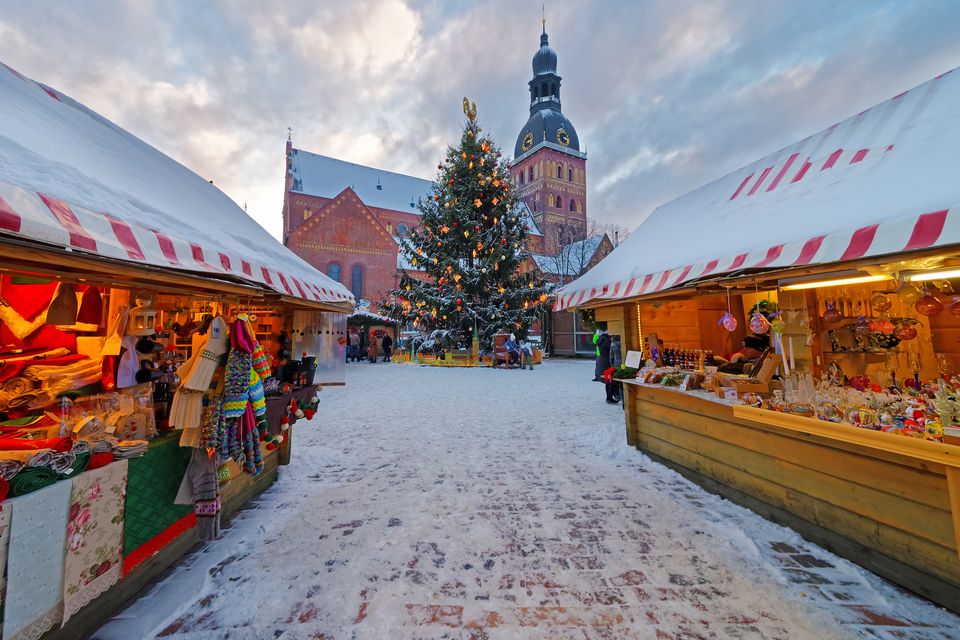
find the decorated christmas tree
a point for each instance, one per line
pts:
(470, 250)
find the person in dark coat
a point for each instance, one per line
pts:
(603, 355)
(387, 345)
(614, 387)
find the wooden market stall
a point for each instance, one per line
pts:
(146, 330)
(845, 429)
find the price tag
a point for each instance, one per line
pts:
(686, 381)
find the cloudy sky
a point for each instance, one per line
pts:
(665, 94)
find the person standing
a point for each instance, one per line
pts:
(615, 387)
(387, 345)
(597, 371)
(372, 349)
(603, 352)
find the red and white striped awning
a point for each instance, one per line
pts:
(880, 183)
(71, 179)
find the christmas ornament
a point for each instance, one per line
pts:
(832, 315)
(909, 294)
(758, 323)
(928, 305)
(880, 303)
(905, 331)
(728, 322)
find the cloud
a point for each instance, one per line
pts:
(665, 95)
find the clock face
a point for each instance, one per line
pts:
(527, 141)
(563, 137)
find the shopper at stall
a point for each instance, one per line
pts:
(750, 351)
(387, 345)
(603, 352)
(614, 388)
(372, 349)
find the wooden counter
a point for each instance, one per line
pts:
(888, 503)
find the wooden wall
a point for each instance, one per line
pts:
(888, 512)
(694, 323)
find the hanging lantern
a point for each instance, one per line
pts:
(143, 319)
(928, 305)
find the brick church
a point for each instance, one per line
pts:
(348, 220)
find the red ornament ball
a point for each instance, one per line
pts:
(451, 181)
(928, 305)
(503, 241)
(459, 301)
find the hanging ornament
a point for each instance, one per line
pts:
(729, 322)
(758, 323)
(883, 326)
(928, 305)
(909, 294)
(880, 303)
(906, 330)
(863, 325)
(832, 314)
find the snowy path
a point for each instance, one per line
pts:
(455, 503)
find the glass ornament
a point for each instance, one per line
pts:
(863, 325)
(909, 294)
(905, 331)
(729, 322)
(759, 324)
(880, 303)
(928, 305)
(883, 326)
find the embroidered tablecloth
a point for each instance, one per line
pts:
(94, 556)
(38, 533)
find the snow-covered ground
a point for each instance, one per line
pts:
(476, 503)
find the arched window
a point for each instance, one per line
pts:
(571, 204)
(529, 174)
(521, 178)
(559, 171)
(559, 202)
(543, 90)
(402, 230)
(333, 270)
(356, 281)
(570, 174)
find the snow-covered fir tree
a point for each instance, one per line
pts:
(471, 249)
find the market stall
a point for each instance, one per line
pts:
(147, 328)
(802, 357)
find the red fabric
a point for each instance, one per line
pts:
(21, 444)
(46, 337)
(608, 375)
(27, 299)
(152, 547)
(98, 460)
(14, 369)
(91, 307)
(4, 489)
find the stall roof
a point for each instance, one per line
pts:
(72, 180)
(882, 182)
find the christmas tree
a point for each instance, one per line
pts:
(471, 249)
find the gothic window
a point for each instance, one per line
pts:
(521, 178)
(356, 281)
(402, 230)
(549, 199)
(529, 174)
(559, 171)
(571, 205)
(333, 270)
(579, 206)
(559, 202)
(570, 174)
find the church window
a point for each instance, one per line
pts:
(529, 174)
(333, 270)
(402, 230)
(549, 199)
(570, 174)
(356, 281)
(306, 213)
(543, 90)
(571, 205)
(559, 202)
(521, 178)
(559, 171)
(579, 206)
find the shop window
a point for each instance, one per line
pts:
(334, 271)
(356, 281)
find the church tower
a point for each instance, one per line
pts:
(548, 168)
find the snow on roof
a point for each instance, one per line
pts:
(572, 260)
(70, 177)
(326, 177)
(880, 182)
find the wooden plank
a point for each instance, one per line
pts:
(856, 497)
(953, 483)
(921, 554)
(920, 582)
(899, 480)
